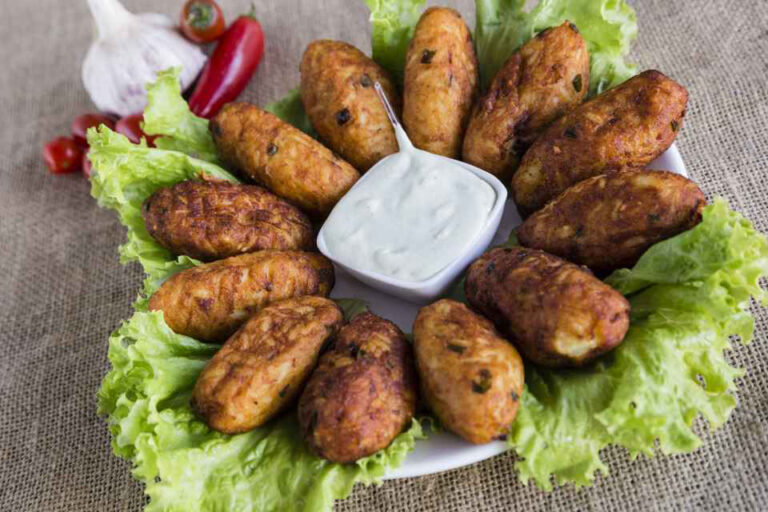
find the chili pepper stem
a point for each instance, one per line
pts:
(252, 11)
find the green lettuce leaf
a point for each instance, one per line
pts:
(125, 174)
(145, 396)
(689, 294)
(392, 24)
(290, 109)
(168, 115)
(608, 26)
(725, 241)
(185, 465)
(351, 307)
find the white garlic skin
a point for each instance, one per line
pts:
(127, 54)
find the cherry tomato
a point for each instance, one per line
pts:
(87, 166)
(62, 155)
(202, 21)
(81, 123)
(130, 126)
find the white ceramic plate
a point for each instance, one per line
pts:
(444, 451)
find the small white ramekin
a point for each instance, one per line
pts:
(420, 291)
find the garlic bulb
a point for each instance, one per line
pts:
(127, 54)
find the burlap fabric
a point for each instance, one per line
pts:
(63, 291)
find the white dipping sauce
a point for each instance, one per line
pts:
(409, 217)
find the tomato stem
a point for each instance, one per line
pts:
(200, 15)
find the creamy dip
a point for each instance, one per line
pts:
(412, 215)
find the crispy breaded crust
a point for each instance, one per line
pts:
(546, 78)
(338, 95)
(556, 313)
(440, 82)
(625, 127)
(263, 366)
(469, 376)
(210, 220)
(209, 302)
(607, 222)
(363, 392)
(286, 160)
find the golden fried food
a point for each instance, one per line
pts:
(338, 95)
(211, 301)
(210, 220)
(556, 313)
(470, 377)
(625, 127)
(286, 160)
(546, 78)
(440, 82)
(607, 222)
(363, 392)
(263, 366)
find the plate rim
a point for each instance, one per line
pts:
(472, 454)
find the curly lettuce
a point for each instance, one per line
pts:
(168, 115)
(290, 109)
(392, 24)
(184, 465)
(689, 295)
(125, 174)
(608, 27)
(502, 26)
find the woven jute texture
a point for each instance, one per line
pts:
(62, 290)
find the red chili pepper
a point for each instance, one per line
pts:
(231, 66)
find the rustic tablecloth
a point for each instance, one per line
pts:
(62, 290)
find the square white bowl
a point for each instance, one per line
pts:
(427, 289)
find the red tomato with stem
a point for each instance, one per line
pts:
(81, 123)
(202, 21)
(62, 155)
